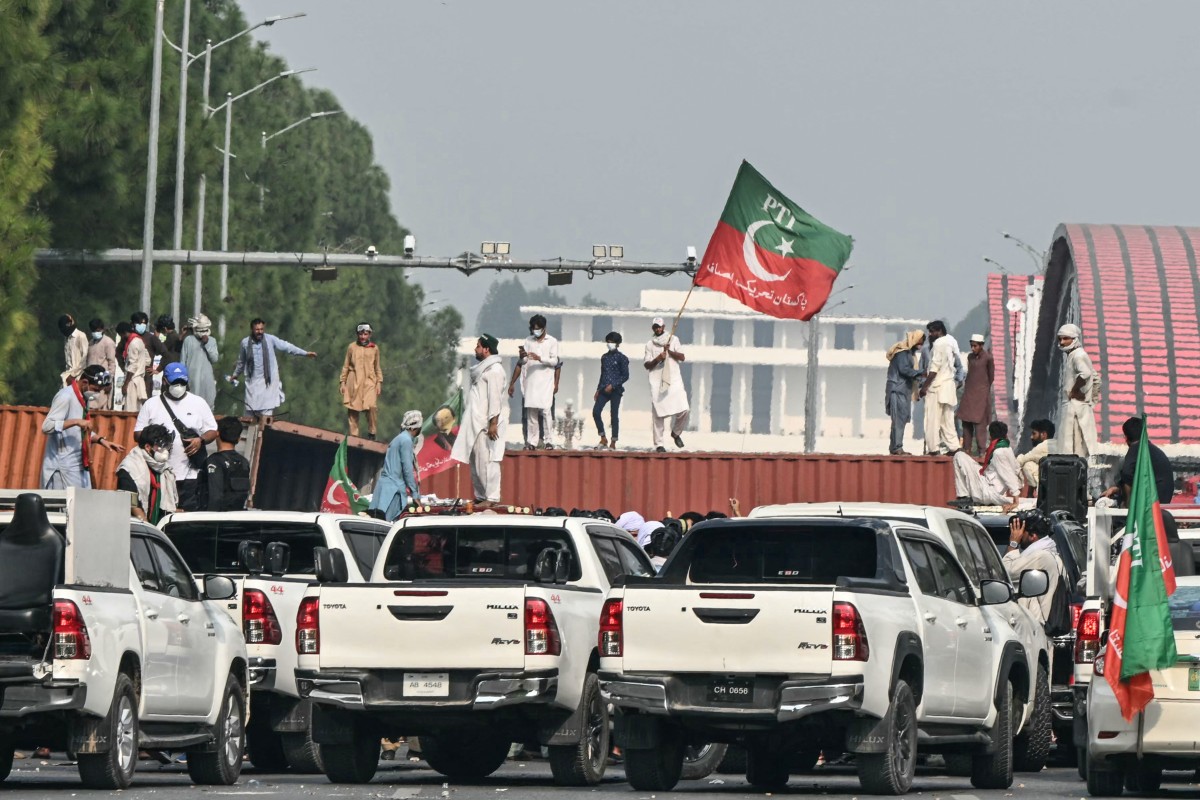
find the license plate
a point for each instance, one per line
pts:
(1194, 679)
(427, 684)
(731, 690)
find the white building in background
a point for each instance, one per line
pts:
(746, 374)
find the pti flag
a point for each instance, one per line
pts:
(771, 255)
(438, 435)
(1141, 637)
(341, 495)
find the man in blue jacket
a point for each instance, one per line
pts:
(397, 487)
(614, 372)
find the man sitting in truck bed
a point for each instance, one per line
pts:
(998, 481)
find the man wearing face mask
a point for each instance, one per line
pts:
(192, 420)
(135, 361)
(256, 359)
(102, 352)
(536, 367)
(67, 460)
(75, 349)
(155, 349)
(1081, 384)
(614, 372)
(147, 475)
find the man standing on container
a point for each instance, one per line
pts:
(668, 395)
(614, 372)
(940, 393)
(975, 407)
(362, 380)
(903, 376)
(480, 441)
(199, 353)
(1080, 392)
(264, 389)
(537, 367)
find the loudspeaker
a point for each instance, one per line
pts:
(1062, 486)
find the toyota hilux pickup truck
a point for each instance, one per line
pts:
(108, 646)
(473, 632)
(794, 636)
(270, 557)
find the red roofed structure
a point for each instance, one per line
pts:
(1134, 290)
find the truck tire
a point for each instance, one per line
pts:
(766, 769)
(734, 762)
(7, 749)
(995, 770)
(699, 761)
(354, 762)
(891, 772)
(583, 763)
(265, 747)
(1104, 782)
(301, 753)
(222, 764)
(657, 769)
(1031, 749)
(114, 769)
(467, 755)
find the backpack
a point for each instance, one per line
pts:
(235, 472)
(1058, 621)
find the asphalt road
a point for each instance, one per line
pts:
(528, 779)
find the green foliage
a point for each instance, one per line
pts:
(501, 312)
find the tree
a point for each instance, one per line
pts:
(501, 312)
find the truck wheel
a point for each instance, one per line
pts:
(353, 762)
(301, 753)
(265, 747)
(657, 769)
(1031, 749)
(114, 769)
(1106, 781)
(222, 764)
(699, 761)
(734, 762)
(891, 772)
(583, 764)
(7, 748)
(995, 770)
(766, 769)
(467, 755)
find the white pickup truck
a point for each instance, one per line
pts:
(107, 645)
(474, 632)
(793, 636)
(280, 546)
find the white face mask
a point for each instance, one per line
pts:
(161, 456)
(177, 390)
(611, 346)
(96, 335)
(537, 332)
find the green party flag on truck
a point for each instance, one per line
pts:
(771, 255)
(341, 495)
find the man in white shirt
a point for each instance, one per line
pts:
(940, 393)
(1030, 547)
(1080, 392)
(178, 410)
(537, 364)
(997, 482)
(1044, 443)
(668, 395)
(480, 440)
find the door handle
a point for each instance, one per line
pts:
(960, 622)
(930, 617)
(151, 614)
(184, 618)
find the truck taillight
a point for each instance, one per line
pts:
(71, 638)
(259, 623)
(1087, 636)
(611, 619)
(849, 636)
(308, 627)
(541, 632)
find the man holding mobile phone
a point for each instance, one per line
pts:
(537, 361)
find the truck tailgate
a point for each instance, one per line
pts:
(452, 627)
(728, 629)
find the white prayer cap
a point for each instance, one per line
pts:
(1069, 330)
(412, 419)
(977, 337)
(658, 322)
(200, 324)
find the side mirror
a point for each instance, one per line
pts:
(279, 554)
(994, 593)
(219, 587)
(562, 566)
(330, 565)
(1034, 583)
(250, 556)
(546, 566)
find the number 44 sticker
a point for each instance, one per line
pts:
(554, 598)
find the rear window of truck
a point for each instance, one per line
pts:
(212, 546)
(474, 552)
(797, 555)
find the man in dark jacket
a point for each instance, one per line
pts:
(226, 484)
(1164, 477)
(614, 373)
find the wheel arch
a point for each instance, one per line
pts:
(1014, 667)
(907, 663)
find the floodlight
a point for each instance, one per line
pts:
(559, 277)
(488, 248)
(410, 244)
(503, 248)
(599, 251)
(616, 251)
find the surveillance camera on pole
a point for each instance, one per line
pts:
(410, 245)
(691, 256)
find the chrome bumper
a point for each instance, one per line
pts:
(654, 696)
(485, 692)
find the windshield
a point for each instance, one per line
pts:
(817, 555)
(474, 552)
(1185, 608)
(212, 546)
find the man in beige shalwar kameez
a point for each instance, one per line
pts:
(1077, 417)
(362, 380)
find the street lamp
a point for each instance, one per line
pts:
(1039, 259)
(997, 264)
(266, 138)
(230, 99)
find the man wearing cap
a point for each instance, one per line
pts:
(69, 435)
(480, 441)
(537, 368)
(397, 486)
(975, 406)
(192, 420)
(668, 395)
(1081, 389)
(199, 355)
(256, 359)
(362, 380)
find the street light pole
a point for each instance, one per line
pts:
(266, 138)
(152, 160)
(198, 287)
(1039, 259)
(180, 143)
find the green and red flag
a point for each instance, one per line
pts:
(437, 437)
(341, 495)
(1141, 637)
(771, 255)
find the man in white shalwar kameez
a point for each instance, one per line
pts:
(940, 393)
(998, 481)
(256, 360)
(1077, 417)
(480, 442)
(668, 395)
(536, 366)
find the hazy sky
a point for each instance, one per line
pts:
(920, 128)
